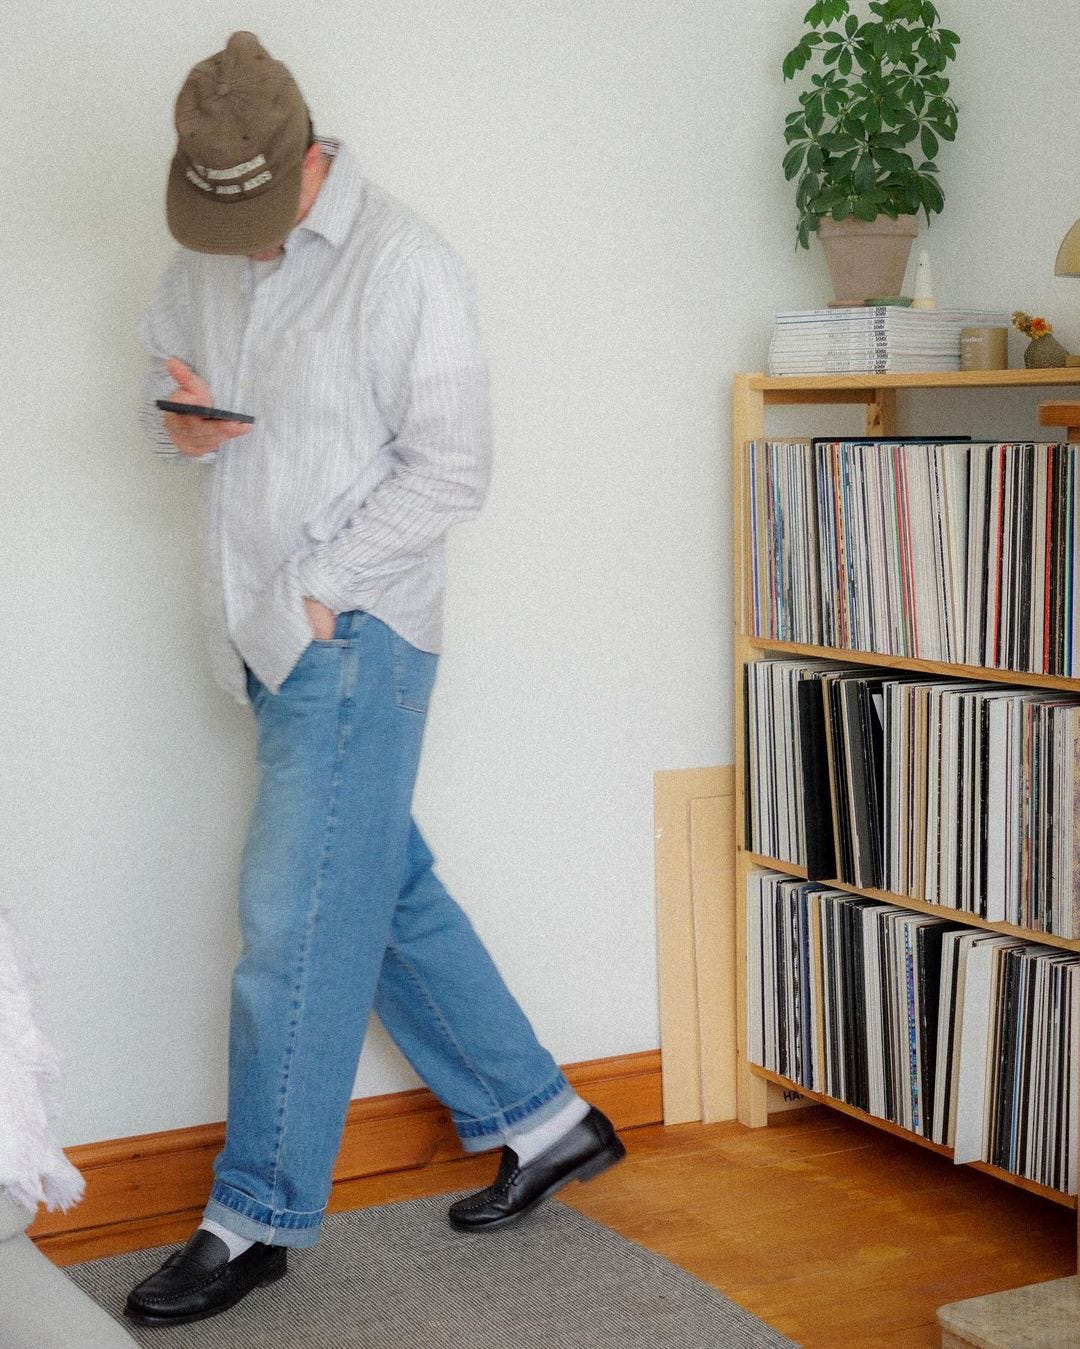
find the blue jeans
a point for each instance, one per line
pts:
(341, 913)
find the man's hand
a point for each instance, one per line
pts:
(321, 620)
(196, 435)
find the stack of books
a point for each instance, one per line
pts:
(872, 339)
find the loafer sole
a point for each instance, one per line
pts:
(592, 1166)
(152, 1319)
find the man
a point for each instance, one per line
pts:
(305, 297)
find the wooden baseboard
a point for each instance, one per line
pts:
(138, 1188)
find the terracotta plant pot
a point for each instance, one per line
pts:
(867, 258)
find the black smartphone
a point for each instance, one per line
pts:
(194, 410)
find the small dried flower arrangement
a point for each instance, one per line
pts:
(1044, 350)
(1030, 326)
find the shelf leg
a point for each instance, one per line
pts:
(753, 1097)
(881, 413)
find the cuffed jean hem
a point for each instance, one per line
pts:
(493, 1131)
(256, 1222)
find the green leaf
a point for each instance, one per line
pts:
(864, 210)
(907, 129)
(929, 143)
(844, 64)
(852, 25)
(793, 161)
(932, 196)
(809, 186)
(890, 97)
(841, 167)
(832, 38)
(865, 174)
(891, 159)
(815, 158)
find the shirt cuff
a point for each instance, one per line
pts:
(316, 583)
(276, 632)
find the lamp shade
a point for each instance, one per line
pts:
(1068, 258)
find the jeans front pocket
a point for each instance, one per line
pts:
(414, 673)
(346, 624)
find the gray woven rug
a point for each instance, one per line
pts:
(399, 1277)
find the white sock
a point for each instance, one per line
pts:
(532, 1142)
(237, 1245)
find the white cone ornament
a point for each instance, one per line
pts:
(923, 297)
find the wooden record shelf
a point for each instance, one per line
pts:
(753, 395)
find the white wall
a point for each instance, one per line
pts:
(610, 171)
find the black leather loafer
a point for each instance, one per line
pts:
(200, 1280)
(589, 1148)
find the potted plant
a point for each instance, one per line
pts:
(877, 103)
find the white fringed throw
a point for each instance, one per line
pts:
(33, 1170)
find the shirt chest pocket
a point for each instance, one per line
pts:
(319, 384)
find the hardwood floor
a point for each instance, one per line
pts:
(834, 1233)
(831, 1231)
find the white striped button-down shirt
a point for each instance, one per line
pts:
(358, 356)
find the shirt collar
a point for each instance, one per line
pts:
(339, 198)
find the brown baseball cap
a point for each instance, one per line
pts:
(242, 129)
